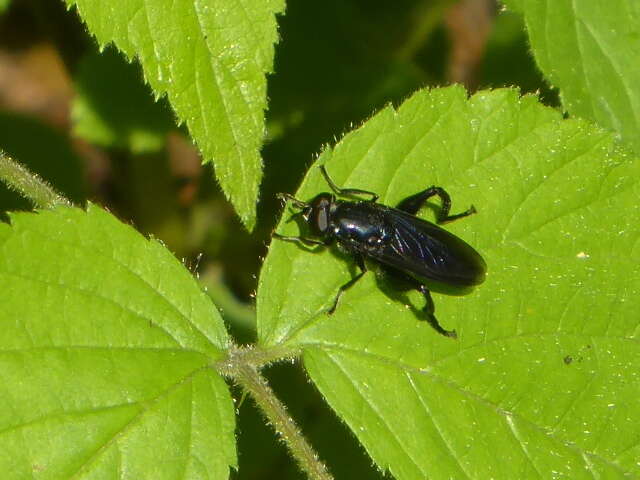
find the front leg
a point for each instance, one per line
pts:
(347, 192)
(303, 242)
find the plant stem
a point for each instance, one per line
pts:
(247, 376)
(28, 184)
(428, 15)
(258, 358)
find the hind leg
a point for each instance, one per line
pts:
(401, 282)
(413, 203)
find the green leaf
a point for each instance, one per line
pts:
(106, 349)
(210, 58)
(113, 108)
(590, 50)
(544, 369)
(517, 5)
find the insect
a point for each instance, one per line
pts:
(406, 248)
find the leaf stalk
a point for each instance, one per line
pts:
(245, 373)
(28, 184)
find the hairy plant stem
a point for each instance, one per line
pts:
(28, 184)
(242, 366)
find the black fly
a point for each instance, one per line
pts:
(406, 247)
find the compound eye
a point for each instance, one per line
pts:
(322, 221)
(320, 214)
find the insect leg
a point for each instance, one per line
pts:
(413, 203)
(285, 197)
(363, 269)
(399, 281)
(347, 192)
(430, 309)
(304, 242)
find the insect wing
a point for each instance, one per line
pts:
(428, 251)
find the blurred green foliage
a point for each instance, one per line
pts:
(113, 108)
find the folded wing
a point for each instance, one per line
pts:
(428, 251)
